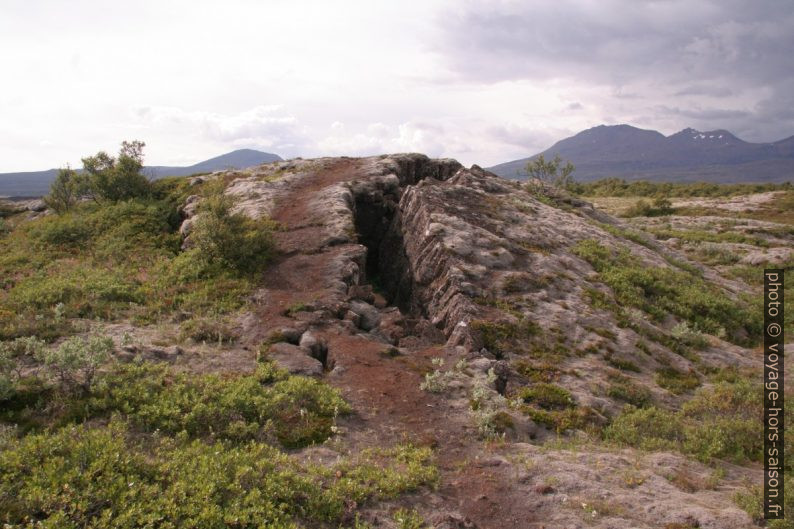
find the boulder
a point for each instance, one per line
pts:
(294, 359)
(370, 317)
(316, 347)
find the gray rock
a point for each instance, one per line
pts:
(352, 317)
(370, 317)
(481, 364)
(294, 359)
(317, 347)
(291, 334)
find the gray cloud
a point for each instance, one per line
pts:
(722, 61)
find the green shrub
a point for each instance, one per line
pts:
(623, 389)
(231, 238)
(75, 362)
(547, 396)
(752, 501)
(722, 422)
(676, 381)
(14, 355)
(103, 477)
(661, 291)
(110, 259)
(296, 411)
(64, 191)
(642, 208)
(114, 179)
(648, 429)
(69, 231)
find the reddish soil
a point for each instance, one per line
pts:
(389, 406)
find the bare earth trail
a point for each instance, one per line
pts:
(389, 406)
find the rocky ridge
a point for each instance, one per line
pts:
(394, 269)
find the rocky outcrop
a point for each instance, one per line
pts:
(433, 295)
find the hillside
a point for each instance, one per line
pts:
(627, 152)
(37, 183)
(394, 342)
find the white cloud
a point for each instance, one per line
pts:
(264, 126)
(482, 82)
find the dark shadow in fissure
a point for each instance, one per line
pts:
(387, 268)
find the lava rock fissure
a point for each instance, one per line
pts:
(379, 227)
(387, 265)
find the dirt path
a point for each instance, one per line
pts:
(384, 391)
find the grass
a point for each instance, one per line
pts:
(614, 187)
(677, 382)
(112, 260)
(661, 292)
(501, 337)
(719, 422)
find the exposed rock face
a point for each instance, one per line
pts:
(296, 360)
(389, 262)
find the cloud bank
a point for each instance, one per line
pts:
(481, 82)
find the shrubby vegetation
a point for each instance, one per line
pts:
(617, 187)
(623, 389)
(551, 171)
(119, 255)
(211, 458)
(721, 421)
(228, 239)
(661, 291)
(658, 208)
(106, 477)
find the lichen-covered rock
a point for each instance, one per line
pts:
(294, 359)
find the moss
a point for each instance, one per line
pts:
(621, 363)
(624, 390)
(676, 381)
(542, 372)
(547, 396)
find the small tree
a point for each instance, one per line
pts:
(12, 361)
(64, 190)
(117, 178)
(76, 361)
(551, 172)
(231, 239)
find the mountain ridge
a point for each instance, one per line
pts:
(632, 153)
(37, 183)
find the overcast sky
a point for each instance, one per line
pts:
(483, 82)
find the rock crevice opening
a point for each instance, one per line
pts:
(379, 227)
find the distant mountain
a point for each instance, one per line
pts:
(37, 183)
(627, 152)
